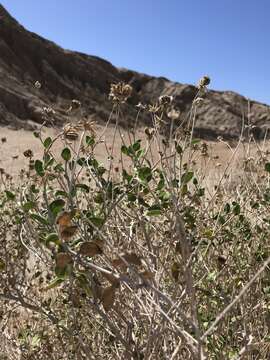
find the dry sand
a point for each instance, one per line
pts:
(17, 141)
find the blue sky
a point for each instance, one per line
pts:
(180, 39)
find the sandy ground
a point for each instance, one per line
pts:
(14, 142)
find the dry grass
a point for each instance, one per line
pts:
(116, 248)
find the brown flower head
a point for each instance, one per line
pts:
(28, 153)
(48, 111)
(70, 132)
(203, 82)
(86, 125)
(165, 100)
(37, 85)
(120, 92)
(75, 105)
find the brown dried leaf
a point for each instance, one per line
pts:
(130, 258)
(175, 270)
(64, 218)
(178, 247)
(67, 232)
(90, 248)
(108, 297)
(99, 242)
(147, 275)
(111, 278)
(63, 259)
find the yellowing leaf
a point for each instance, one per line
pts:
(147, 275)
(90, 248)
(175, 270)
(130, 258)
(2, 265)
(54, 283)
(64, 219)
(108, 297)
(63, 259)
(111, 278)
(67, 232)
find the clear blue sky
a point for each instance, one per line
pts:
(180, 39)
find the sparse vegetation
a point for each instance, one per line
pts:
(146, 258)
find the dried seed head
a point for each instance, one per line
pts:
(70, 132)
(37, 85)
(76, 104)
(86, 125)
(165, 100)
(153, 109)
(173, 114)
(120, 92)
(28, 153)
(204, 81)
(48, 111)
(149, 132)
(198, 101)
(141, 106)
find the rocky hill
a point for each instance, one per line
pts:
(65, 75)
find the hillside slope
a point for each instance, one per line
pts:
(66, 75)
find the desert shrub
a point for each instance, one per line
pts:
(143, 258)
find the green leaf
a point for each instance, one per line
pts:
(93, 162)
(84, 284)
(178, 148)
(154, 210)
(53, 237)
(36, 134)
(161, 182)
(140, 153)
(186, 177)
(47, 142)
(101, 170)
(39, 219)
(96, 221)
(136, 146)
(195, 141)
(267, 167)
(227, 208)
(61, 193)
(125, 150)
(131, 197)
(81, 161)
(99, 198)
(54, 283)
(83, 187)
(126, 176)
(10, 195)
(39, 167)
(145, 174)
(90, 140)
(33, 189)
(66, 154)
(164, 196)
(56, 206)
(236, 208)
(48, 161)
(28, 205)
(2, 265)
(59, 168)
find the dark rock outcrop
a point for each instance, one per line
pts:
(65, 75)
